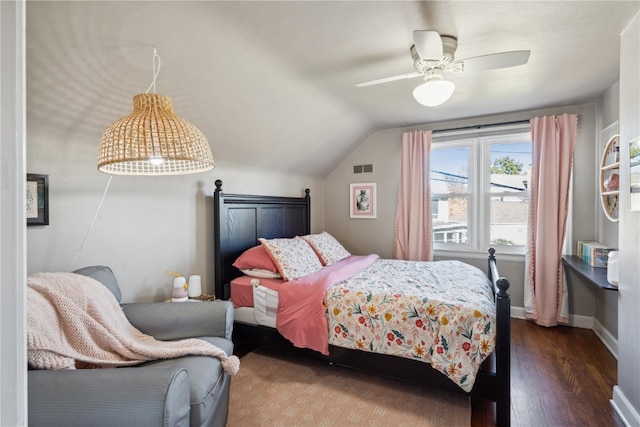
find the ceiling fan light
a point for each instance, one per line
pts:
(434, 92)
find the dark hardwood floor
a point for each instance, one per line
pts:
(560, 377)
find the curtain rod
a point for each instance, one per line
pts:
(478, 127)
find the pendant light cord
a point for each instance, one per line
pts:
(156, 71)
(93, 221)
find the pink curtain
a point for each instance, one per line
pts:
(553, 141)
(413, 214)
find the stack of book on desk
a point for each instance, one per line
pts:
(593, 253)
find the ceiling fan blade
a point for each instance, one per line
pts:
(496, 60)
(389, 79)
(428, 44)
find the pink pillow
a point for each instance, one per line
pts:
(255, 258)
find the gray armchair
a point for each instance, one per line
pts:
(190, 390)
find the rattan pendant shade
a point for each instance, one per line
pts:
(153, 140)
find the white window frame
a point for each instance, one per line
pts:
(471, 194)
(479, 142)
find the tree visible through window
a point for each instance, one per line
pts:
(507, 166)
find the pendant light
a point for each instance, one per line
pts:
(153, 140)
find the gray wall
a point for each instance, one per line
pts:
(626, 396)
(382, 148)
(146, 225)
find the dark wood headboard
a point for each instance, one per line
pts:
(240, 219)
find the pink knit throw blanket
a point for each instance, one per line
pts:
(72, 318)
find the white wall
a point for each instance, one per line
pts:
(626, 395)
(382, 148)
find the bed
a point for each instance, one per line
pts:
(239, 220)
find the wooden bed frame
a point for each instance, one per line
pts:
(239, 220)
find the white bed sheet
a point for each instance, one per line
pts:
(263, 312)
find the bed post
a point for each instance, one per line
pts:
(218, 281)
(503, 343)
(307, 200)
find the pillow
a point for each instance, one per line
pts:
(293, 257)
(260, 273)
(328, 249)
(255, 258)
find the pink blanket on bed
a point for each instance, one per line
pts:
(301, 312)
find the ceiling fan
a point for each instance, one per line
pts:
(433, 55)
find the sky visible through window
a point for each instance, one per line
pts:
(520, 151)
(449, 165)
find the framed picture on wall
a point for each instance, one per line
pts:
(37, 199)
(363, 200)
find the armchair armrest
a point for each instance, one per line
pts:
(178, 320)
(116, 396)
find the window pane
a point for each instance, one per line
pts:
(510, 166)
(449, 170)
(450, 221)
(509, 215)
(509, 202)
(449, 181)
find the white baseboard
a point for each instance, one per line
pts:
(624, 409)
(518, 313)
(607, 339)
(584, 322)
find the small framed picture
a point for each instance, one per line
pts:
(37, 199)
(363, 200)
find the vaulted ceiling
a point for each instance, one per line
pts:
(272, 84)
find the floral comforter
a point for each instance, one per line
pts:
(439, 312)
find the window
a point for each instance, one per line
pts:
(479, 190)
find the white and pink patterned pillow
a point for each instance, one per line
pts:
(328, 249)
(293, 257)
